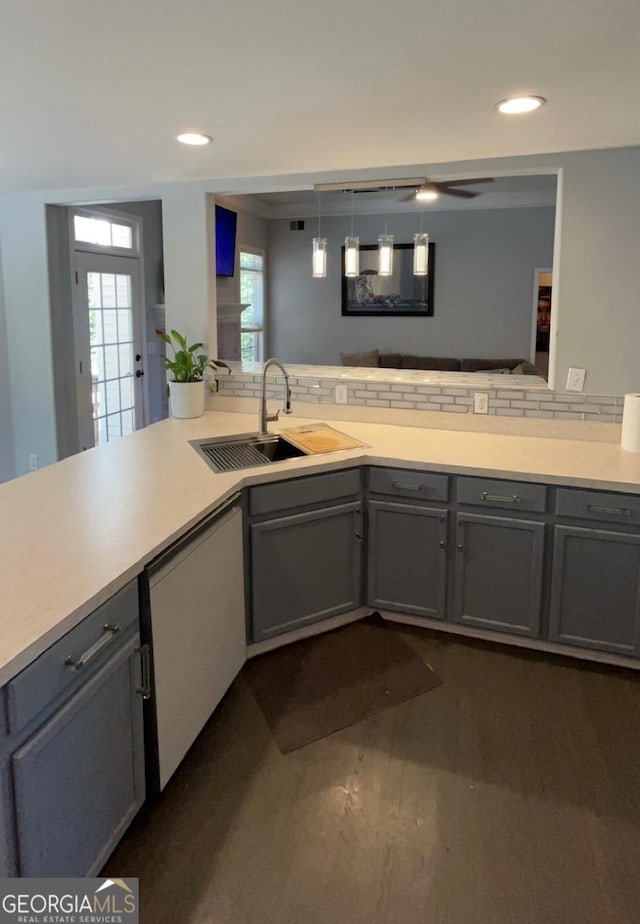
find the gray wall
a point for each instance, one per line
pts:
(483, 294)
(6, 430)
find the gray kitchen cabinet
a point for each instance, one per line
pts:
(407, 558)
(498, 573)
(595, 589)
(73, 767)
(304, 568)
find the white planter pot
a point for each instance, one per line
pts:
(187, 399)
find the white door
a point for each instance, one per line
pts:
(108, 323)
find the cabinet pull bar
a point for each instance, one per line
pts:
(618, 511)
(501, 498)
(109, 630)
(407, 487)
(145, 688)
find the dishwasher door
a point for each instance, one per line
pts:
(198, 633)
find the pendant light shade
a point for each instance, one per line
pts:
(420, 253)
(351, 256)
(319, 258)
(385, 255)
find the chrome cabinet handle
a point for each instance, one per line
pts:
(145, 687)
(618, 511)
(109, 630)
(407, 487)
(501, 499)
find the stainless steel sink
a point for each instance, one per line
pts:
(230, 453)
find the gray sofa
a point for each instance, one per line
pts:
(374, 358)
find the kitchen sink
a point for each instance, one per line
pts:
(230, 453)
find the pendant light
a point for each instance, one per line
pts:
(319, 255)
(351, 250)
(385, 253)
(421, 252)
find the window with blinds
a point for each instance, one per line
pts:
(252, 293)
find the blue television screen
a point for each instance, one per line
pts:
(225, 241)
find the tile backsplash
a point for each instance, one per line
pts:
(450, 392)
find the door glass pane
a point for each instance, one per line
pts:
(112, 354)
(114, 427)
(110, 326)
(108, 281)
(113, 396)
(111, 362)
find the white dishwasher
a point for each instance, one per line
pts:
(198, 634)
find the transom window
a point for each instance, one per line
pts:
(104, 232)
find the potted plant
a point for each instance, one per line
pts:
(188, 366)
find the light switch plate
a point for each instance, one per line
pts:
(575, 379)
(342, 394)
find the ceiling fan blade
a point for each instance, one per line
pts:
(479, 179)
(459, 193)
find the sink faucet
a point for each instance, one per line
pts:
(264, 416)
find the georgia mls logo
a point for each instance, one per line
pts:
(69, 901)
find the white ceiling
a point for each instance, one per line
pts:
(92, 94)
(503, 192)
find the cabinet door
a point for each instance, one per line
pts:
(498, 573)
(304, 568)
(407, 559)
(79, 780)
(595, 589)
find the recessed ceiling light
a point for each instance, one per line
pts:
(519, 104)
(426, 194)
(193, 138)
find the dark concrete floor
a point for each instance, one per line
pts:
(508, 795)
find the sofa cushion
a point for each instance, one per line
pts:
(484, 365)
(437, 363)
(370, 358)
(390, 360)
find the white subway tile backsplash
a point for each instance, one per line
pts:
(424, 391)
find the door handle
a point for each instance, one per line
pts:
(139, 373)
(138, 357)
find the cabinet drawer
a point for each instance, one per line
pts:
(402, 483)
(598, 505)
(49, 676)
(513, 495)
(301, 492)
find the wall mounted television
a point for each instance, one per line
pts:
(226, 222)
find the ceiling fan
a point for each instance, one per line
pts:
(430, 189)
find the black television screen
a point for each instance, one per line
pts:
(225, 241)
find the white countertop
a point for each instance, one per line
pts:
(75, 532)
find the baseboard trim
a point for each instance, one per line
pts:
(334, 622)
(570, 651)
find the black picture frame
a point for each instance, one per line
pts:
(401, 295)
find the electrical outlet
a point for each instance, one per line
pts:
(480, 403)
(342, 394)
(575, 379)
(33, 462)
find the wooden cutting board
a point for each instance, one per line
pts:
(320, 439)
